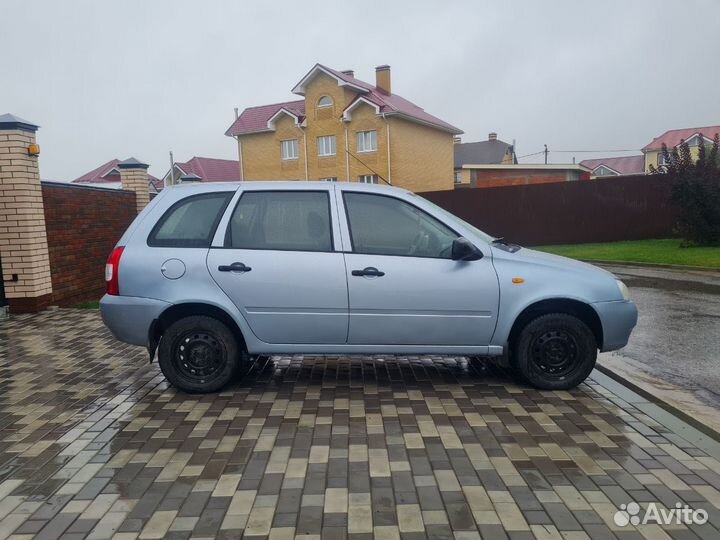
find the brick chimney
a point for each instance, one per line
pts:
(492, 136)
(349, 73)
(382, 79)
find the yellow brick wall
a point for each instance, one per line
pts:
(261, 154)
(23, 239)
(364, 118)
(136, 180)
(651, 157)
(464, 175)
(421, 157)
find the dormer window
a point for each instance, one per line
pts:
(325, 101)
(695, 140)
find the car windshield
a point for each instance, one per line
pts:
(453, 219)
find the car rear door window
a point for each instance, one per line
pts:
(382, 225)
(281, 220)
(190, 222)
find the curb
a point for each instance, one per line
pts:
(653, 398)
(653, 265)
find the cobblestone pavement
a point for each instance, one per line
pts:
(94, 444)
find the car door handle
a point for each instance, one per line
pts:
(369, 271)
(234, 267)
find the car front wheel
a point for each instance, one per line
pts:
(199, 354)
(555, 351)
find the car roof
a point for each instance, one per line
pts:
(283, 185)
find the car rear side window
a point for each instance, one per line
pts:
(281, 220)
(190, 222)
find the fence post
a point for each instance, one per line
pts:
(134, 177)
(23, 238)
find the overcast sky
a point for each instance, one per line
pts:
(139, 78)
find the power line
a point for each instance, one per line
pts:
(368, 167)
(579, 152)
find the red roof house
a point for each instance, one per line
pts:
(204, 169)
(108, 175)
(255, 119)
(615, 166)
(674, 137)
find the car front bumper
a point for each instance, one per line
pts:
(618, 319)
(129, 317)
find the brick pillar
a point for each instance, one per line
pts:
(134, 177)
(23, 240)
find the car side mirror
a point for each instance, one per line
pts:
(464, 250)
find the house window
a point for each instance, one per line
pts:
(289, 149)
(326, 145)
(695, 140)
(329, 179)
(458, 177)
(368, 178)
(661, 159)
(602, 170)
(367, 141)
(324, 101)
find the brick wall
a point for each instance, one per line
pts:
(484, 178)
(83, 224)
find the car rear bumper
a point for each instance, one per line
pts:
(618, 320)
(129, 317)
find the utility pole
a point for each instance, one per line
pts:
(546, 154)
(172, 169)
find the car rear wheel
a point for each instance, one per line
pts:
(199, 354)
(555, 351)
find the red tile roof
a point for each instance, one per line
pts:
(621, 165)
(212, 169)
(674, 137)
(254, 119)
(108, 172)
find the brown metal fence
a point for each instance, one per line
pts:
(601, 210)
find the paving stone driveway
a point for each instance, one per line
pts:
(94, 444)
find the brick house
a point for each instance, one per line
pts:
(348, 130)
(490, 152)
(672, 138)
(518, 174)
(615, 166)
(108, 175)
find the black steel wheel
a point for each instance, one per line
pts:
(555, 351)
(198, 354)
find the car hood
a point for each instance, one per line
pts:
(530, 256)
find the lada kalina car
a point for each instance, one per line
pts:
(210, 275)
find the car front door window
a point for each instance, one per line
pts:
(382, 225)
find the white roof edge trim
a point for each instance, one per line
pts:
(347, 116)
(299, 88)
(281, 110)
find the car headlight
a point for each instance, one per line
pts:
(623, 290)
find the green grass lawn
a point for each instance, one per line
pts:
(641, 251)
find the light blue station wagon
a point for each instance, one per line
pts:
(210, 274)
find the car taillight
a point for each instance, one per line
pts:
(112, 271)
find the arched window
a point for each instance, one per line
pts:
(325, 101)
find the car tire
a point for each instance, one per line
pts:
(556, 351)
(199, 354)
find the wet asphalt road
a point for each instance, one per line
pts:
(677, 338)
